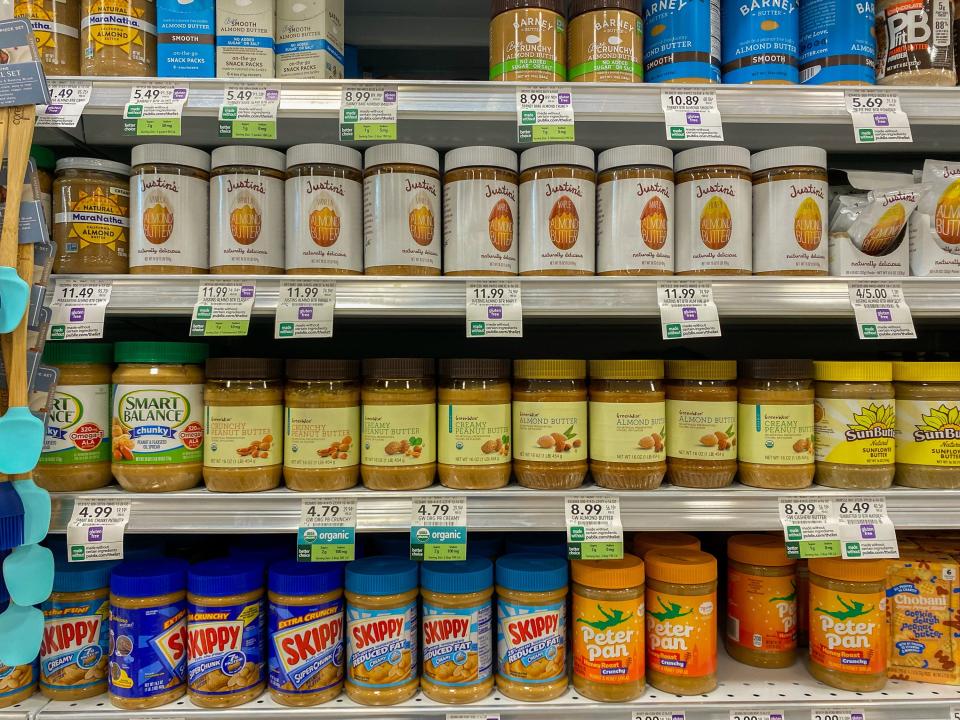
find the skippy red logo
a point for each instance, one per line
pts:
(305, 650)
(215, 646)
(531, 639)
(171, 644)
(71, 641)
(445, 628)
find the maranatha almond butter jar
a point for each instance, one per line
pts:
(605, 41)
(528, 41)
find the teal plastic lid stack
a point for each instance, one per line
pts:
(457, 578)
(381, 576)
(81, 577)
(527, 572)
(149, 578)
(74, 353)
(290, 577)
(223, 578)
(167, 353)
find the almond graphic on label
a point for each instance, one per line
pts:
(157, 221)
(564, 223)
(716, 223)
(769, 25)
(657, 30)
(500, 225)
(420, 220)
(808, 225)
(947, 216)
(245, 220)
(653, 224)
(882, 235)
(324, 222)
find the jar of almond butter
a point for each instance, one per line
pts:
(528, 41)
(605, 41)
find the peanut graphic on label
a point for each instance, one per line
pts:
(500, 224)
(947, 215)
(257, 448)
(654, 441)
(803, 445)
(722, 440)
(653, 224)
(157, 220)
(337, 450)
(560, 442)
(245, 219)
(420, 220)
(808, 225)
(716, 224)
(121, 441)
(19, 678)
(564, 223)
(882, 235)
(324, 222)
(410, 448)
(500, 445)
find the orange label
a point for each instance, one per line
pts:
(608, 640)
(682, 634)
(848, 632)
(762, 612)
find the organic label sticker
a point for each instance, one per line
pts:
(327, 531)
(438, 527)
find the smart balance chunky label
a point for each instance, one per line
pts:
(682, 42)
(73, 653)
(306, 647)
(225, 648)
(77, 426)
(760, 41)
(837, 42)
(382, 646)
(148, 650)
(457, 645)
(531, 642)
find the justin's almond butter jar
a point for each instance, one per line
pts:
(605, 42)
(528, 40)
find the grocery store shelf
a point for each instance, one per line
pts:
(26, 710)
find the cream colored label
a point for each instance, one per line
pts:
(401, 220)
(399, 435)
(321, 437)
(855, 432)
(776, 434)
(473, 434)
(246, 221)
(168, 221)
(790, 226)
(243, 436)
(558, 231)
(550, 431)
(480, 226)
(699, 430)
(528, 45)
(928, 432)
(628, 432)
(245, 32)
(635, 225)
(324, 228)
(714, 225)
(309, 39)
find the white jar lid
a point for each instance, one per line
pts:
(166, 154)
(557, 155)
(480, 156)
(84, 163)
(801, 155)
(630, 155)
(712, 155)
(248, 155)
(402, 154)
(324, 154)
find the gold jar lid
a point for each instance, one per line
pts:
(834, 371)
(626, 369)
(550, 369)
(702, 369)
(926, 371)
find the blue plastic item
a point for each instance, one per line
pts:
(28, 574)
(11, 517)
(81, 577)
(223, 578)
(21, 630)
(14, 295)
(473, 575)
(290, 577)
(149, 578)
(36, 510)
(381, 576)
(21, 434)
(526, 572)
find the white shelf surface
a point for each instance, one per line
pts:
(26, 710)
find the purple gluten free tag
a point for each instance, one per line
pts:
(389, 96)
(884, 315)
(246, 291)
(495, 312)
(868, 532)
(881, 120)
(95, 534)
(693, 118)
(305, 313)
(77, 314)
(690, 314)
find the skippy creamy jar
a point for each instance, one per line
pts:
(760, 41)
(682, 41)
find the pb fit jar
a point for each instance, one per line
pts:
(528, 40)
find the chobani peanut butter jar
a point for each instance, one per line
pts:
(605, 41)
(528, 41)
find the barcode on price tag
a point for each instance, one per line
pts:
(881, 311)
(438, 527)
(741, 715)
(494, 309)
(594, 529)
(545, 114)
(78, 309)
(687, 309)
(659, 715)
(831, 714)
(68, 98)
(327, 531)
(223, 308)
(305, 309)
(96, 527)
(691, 113)
(808, 528)
(368, 112)
(877, 117)
(155, 109)
(249, 112)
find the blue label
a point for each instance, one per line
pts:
(14, 680)
(306, 647)
(74, 650)
(382, 646)
(245, 41)
(457, 645)
(186, 36)
(149, 655)
(681, 40)
(837, 42)
(531, 641)
(760, 39)
(225, 644)
(316, 45)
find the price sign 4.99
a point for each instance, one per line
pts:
(95, 530)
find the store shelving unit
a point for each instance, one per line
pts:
(26, 710)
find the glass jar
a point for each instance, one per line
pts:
(775, 420)
(322, 425)
(528, 40)
(118, 38)
(701, 403)
(56, 27)
(627, 424)
(928, 424)
(605, 41)
(550, 423)
(473, 424)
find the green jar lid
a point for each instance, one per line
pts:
(75, 353)
(44, 157)
(171, 353)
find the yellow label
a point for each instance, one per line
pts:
(699, 430)
(928, 432)
(854, 432)
(848, 631)
(396, 435)
(608, 640)
(119, 24)
(243, 436)
(776, 434)
(628, 432)
(550, 431)
(98, 218)
(321, 437)
(473, 434)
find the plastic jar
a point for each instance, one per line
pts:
(148, 633)
(226, 666)
(692, 26)
(76, 446)
(382, 614)
(701, 422)
(91, 214)
(914, 43)
(550, 423)
(635, 211)
(531, 652)
(46, 166)
(838, 44)
(848, 628)
(324, 210)
(246, 210)
(681, 606)
(644, 542)
(790, 211)
(473, 424)
(760, 43)
(775, 419)
(457, 630)
(74, 651)
(608, 628)
(169, 209)
(714, 232)
(157, 419)
(399, 424)
(761, 602)
(480, 188)
(306, 639)
(605, 41)
(401, 210)
(928, 424)
(18, 682)
(321, 425)
(244, 424)
(118, 38)
(558, 200)
(56, 27)
(528, 41)
(855, 425)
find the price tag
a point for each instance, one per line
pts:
(328, 527)
(473, 716)
(955, 712)
(78, 309)
(68, 98)
(305, 309)
(865, 529)
(155, 109)
(687, 309)
(691, 113)
(831, 714)
(659, 715)
(882, 312)
(877, 117)
(438, 527)
(249, 112)
(544, 114)
(740, 715)
(808, 527)
(95, 531)
(494, 309)
(223, 308)
(594, 530)
(368, 112)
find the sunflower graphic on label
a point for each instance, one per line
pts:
(875, 421)
(653, 223)
(246, 220)
(500, 226)
(947, 215)
(420, 219)
(324, 221)
(716, 223)
(564, 223)
(97, 219)
(157, 218)
(942, 423)
(808, 225)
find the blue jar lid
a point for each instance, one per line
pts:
(289, 577)
(223, 578)
(81, 577)
(483, 545)
(148, 578)
(527, 572)
(381, 576)
(548, 543)
(456, 578)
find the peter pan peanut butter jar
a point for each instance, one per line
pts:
(928, 424)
